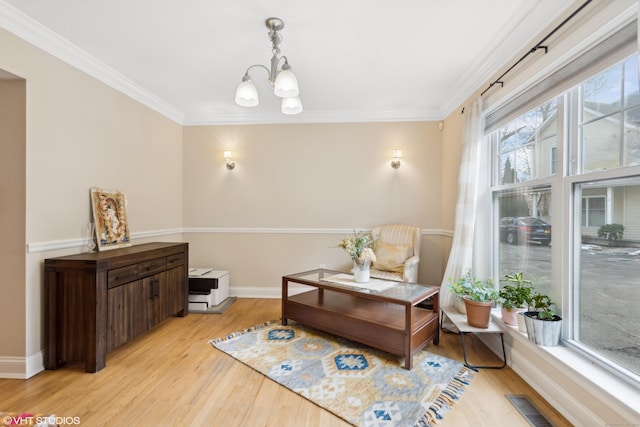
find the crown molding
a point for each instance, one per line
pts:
(253, 118)
(488, 65)
(31, 31)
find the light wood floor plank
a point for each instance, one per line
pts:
(173, 376)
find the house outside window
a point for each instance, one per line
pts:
(586, 181)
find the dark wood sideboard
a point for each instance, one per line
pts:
(95, 302)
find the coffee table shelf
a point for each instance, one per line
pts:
(388, 320)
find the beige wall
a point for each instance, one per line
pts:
(81, 133)
(12, 217)
(298, 188)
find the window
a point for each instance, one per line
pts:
(524, 145)
(523, 204)
(610, 118)
(589, 180)
(525, 235)
(604, 305)
(593, 211)
(605, 294)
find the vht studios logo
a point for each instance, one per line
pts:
(32, 420)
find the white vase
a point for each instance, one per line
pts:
(361, 272)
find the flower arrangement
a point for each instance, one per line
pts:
(358, 247)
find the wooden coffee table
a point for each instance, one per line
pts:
(386, 317)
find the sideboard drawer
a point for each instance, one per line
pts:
(175, 260)
(149, 268)
(122, 275)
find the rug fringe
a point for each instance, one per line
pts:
(447, 398)
(244, 331)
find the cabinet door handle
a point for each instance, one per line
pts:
(157, 287)
(152, 290)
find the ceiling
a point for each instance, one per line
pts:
(355, 60)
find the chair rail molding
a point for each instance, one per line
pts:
(76, 242)
(53, 245)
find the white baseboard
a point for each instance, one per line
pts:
(21, 367)
(274, 292)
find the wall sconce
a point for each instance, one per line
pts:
(397, 155)
(230, 163)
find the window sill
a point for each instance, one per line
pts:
(584, 374)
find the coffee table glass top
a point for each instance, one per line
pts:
(399, 291)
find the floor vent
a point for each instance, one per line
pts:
(528, 410)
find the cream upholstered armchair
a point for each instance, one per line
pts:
(397, 249)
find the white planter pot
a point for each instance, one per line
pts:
(543, 332)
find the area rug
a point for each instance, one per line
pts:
(364, 386)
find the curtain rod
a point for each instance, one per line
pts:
(537, 47)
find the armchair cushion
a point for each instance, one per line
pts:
(390, 257)
(394, 235)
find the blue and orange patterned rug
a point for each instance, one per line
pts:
(364, 386)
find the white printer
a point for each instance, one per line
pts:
(207, 288)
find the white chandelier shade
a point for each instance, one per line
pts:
(291, 105)
(247, 94)
(286, 85)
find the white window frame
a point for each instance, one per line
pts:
(566, 235)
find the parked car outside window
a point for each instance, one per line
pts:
(525, 229)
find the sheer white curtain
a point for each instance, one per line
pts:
(472, 172)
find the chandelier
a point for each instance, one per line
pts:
(283, 81)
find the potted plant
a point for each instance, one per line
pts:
(459, 288)
(514, 296)
(542, 323)
(478, 296)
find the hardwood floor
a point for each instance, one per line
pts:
(173, 376)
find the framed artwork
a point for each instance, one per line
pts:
(110, 218)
